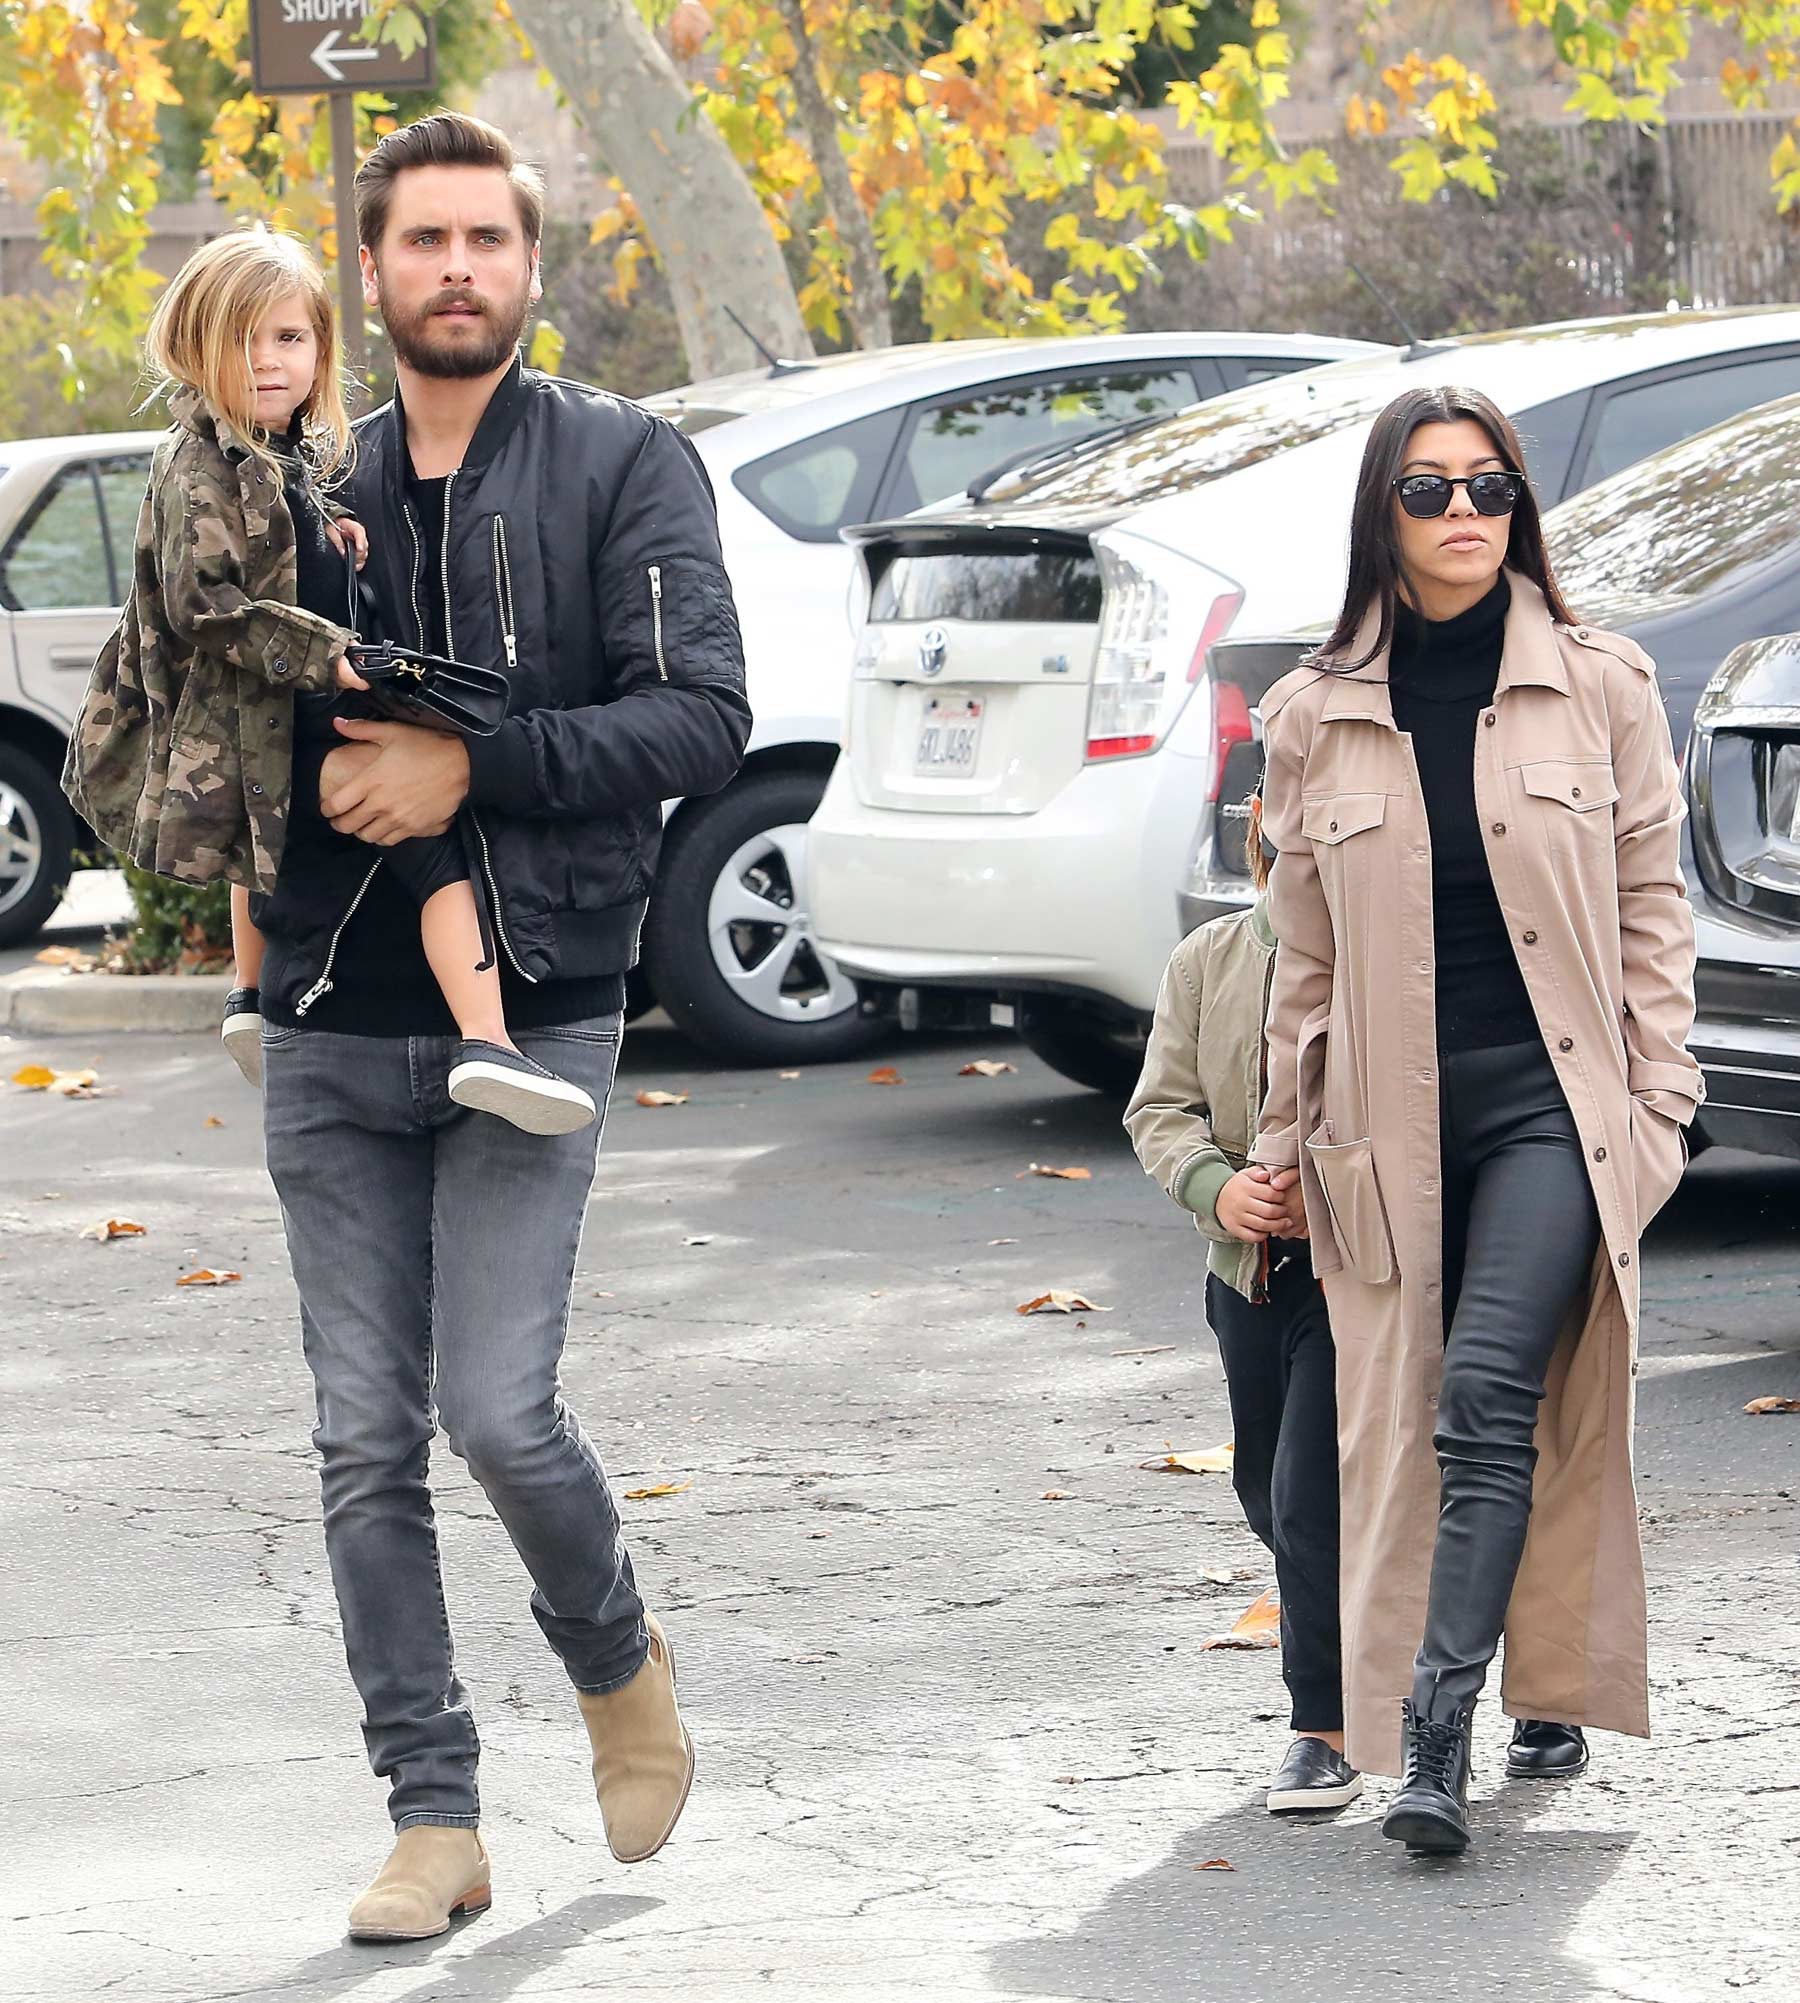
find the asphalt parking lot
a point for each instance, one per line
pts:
(956, 1740)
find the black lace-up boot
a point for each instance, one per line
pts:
(1430, 1814)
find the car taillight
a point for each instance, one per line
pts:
(1144, 672)
(1231, 727)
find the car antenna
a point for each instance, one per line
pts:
(777, 367)
(1415, 348)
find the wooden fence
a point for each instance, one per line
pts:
(1684, 212)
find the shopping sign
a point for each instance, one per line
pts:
(314, 45)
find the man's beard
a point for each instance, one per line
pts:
(428, 353)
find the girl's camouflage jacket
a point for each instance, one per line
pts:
(182, 757)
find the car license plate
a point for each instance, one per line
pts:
(949, 738)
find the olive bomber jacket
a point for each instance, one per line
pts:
(1193, 1115)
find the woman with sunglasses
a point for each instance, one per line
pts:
(1477, 1061)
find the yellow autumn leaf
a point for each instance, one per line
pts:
(1207, 1460)
(657, 1489)
(34, 1077)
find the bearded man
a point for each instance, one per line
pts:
(568, 538)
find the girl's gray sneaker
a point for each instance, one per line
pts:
(492, 1079)
(241, 1032)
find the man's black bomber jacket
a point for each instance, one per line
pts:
(580, 554)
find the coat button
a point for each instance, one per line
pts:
(1574, 792)
(1599, 1154)
(1334, 827)
(1566, 1043)
(1488, 720)
(1531, 938)
(1624, 1258)
(256, 789)
(1499, 827)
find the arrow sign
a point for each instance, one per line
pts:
(328, 55)
(311, 47)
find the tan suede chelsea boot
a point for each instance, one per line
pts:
(643, 1757)
(431, 1875)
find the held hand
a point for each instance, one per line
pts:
(1249, 1208)
(412, 786)
(347, 529)
(347, 677)
(1285, 1182)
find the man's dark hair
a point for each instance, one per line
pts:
(443, 139)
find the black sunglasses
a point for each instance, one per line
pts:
(1424, 495)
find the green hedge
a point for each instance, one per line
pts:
(180, 928)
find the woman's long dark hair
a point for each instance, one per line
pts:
(1377, 574)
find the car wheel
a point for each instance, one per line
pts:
(1085, 1048)
(37, 845)
(729, 947)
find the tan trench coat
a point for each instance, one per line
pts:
(1581, 813)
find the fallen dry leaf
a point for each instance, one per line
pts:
(986, 1067)
(1056, 1495)
(660, 1488)
(704, 1238)
(1003, 1241)
(212, 1120)
(71, 957)
(1060, 1301)
(1218, 1575)
(1209, 1460)
(65, 1084)
(205, 1276)
(1055, 1174)
(1773, 1405)
(112, 1227)
(884, 1074)
(787, 1074)
(662, 1098)
(1258, 1626)
(1155, 1349)
(1216, 1864)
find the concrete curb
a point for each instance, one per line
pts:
(48, 1001)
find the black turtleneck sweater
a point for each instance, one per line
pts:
(1441, 677)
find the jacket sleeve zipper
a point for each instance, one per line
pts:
(503, 592)
(322, 986)
(656, 604)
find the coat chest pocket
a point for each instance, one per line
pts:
(1334, 818)
(1583, 789)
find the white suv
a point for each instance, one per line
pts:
(796, 452)
(1045, 741)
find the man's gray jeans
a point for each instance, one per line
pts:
(434, 1250)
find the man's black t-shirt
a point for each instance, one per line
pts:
(381, 982)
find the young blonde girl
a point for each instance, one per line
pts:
(222, 681)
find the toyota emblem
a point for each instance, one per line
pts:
(934, 651)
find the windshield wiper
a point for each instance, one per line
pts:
(1040, 458)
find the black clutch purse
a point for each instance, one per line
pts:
(430, 689)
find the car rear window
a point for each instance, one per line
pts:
(1680, 524)
(1037, 584)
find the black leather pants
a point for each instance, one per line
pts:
(1520, 1231)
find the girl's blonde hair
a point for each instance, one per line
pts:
(1253, 843)
(201, 330)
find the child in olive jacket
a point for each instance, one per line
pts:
(1192, 1120)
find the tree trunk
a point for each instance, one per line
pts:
(869, 320)
(704, 220)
